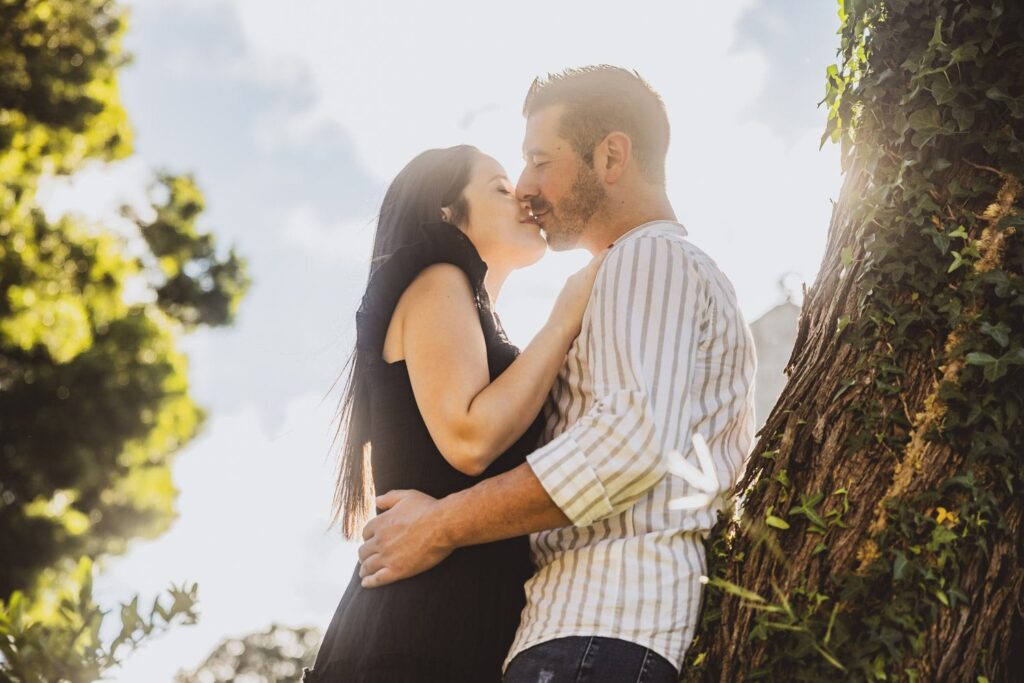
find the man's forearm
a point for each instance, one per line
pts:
(509, 505)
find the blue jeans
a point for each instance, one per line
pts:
(589, 659)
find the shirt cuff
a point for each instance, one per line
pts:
(569, 479)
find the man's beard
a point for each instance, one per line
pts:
(585, 199)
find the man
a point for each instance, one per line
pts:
(664, 355)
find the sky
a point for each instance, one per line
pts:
(294, 116)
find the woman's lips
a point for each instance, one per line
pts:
(531, 219)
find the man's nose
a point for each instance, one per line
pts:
(526, 189)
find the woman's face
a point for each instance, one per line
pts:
(499, 225)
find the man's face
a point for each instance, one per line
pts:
(564, 192)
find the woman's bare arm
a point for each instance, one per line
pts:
(471, 419)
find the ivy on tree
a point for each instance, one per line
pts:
(881, 529)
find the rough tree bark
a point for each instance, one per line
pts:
(880, 531)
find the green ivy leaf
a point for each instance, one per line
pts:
(941, 536)
(941, 241)
(942, 90)
(964, 118)
(936, 34)
(926, 118)
(846, 383)
(958, 261)
(807, 509)
(782, 477)
(967, 52)
(997, 94)
(733, 589)
(927, 123)
(899, 566)
(999, 332)
(993, 368)
(777, 522)
(828, 657)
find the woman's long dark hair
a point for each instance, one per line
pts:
(433, 180)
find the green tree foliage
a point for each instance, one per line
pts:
(882, 529)
(194, 286)
(59, 102)
(94, 398)
(276, 655)
(39, 648)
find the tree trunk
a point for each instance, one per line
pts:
(879, 535)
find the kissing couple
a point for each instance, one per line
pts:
(525, 530)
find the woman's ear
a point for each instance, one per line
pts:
(446, 214)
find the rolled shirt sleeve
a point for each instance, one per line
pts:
(642, 329)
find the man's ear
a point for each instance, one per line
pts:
(446, 214)
(613, 155)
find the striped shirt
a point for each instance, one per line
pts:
(664, 353)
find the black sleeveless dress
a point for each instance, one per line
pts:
(455, 622)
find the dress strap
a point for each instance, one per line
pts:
(441, 243)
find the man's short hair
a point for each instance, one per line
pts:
(599, 100)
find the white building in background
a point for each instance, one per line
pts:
(774, 335)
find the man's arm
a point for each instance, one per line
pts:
(512, 504)
(508, 505)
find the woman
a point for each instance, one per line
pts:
(437, 398)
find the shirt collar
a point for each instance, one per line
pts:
(672, 225)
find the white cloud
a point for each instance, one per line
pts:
(761, 209)
(349, 240)
(402, 76)
(98, 191)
